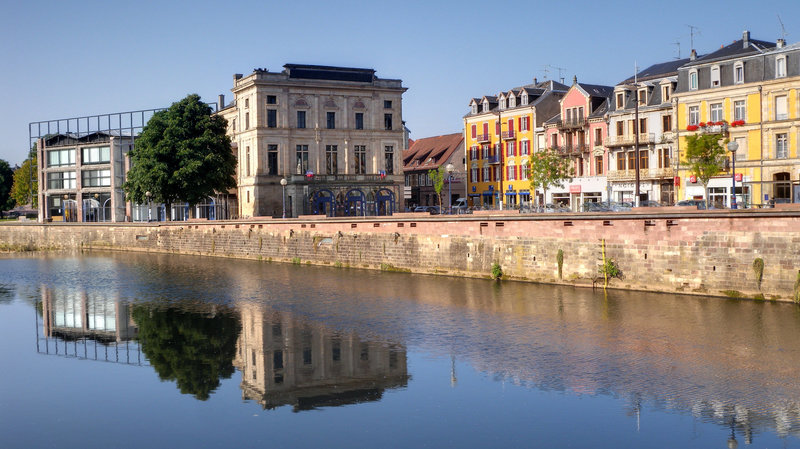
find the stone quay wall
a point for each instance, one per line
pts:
(688, 251)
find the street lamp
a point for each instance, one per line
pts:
(149, 211)
(449, 168)
(283, 196)
(732, 147)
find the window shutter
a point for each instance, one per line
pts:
(486, 128)
(510, 125)
(519, 125)
(497, 127)
(474, 131)
(527, 123)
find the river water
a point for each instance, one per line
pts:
(141, 350)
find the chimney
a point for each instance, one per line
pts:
(237, 76)
(535, 81)
(221, 102)
(745, 39)
(781, 43)
(575, 79)
(693, 55)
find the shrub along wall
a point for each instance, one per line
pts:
(698, 253)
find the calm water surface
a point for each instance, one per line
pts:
(138, 350)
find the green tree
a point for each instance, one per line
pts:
(549, 169)
(705, 156)
(182, 154)
(25, 187)
(193, 349)
(6, 182)
(437, 178)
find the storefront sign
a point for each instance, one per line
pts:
(738, 177)
(575, 189)
(693, 179)
(677, 181)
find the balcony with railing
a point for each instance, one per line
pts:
(629, 139)
(509, 135)
(493, 159)
(644, 173)
(483, 138)
(573, 123)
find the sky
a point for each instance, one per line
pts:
(69, 59)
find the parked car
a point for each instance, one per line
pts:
(700, 204)
(460, 206)
(621, 206)
(598, 206)
(433, 210)
(649, 203)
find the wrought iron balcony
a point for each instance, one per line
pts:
(629, 140)
(493, 159)
(509, 135)
(573, 123)
(644, 173)
(483, 138)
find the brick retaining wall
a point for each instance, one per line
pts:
(692, 252)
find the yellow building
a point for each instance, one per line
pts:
(499, 139)
(748, 91)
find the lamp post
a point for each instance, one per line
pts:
(149, 195)
(449, 168)
(283, 196)
(732, 147)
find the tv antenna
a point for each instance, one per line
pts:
(692, 31)
(678, 44)
(783, 29)
(561, 71)
(546, 71)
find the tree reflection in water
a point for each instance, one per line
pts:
(193, 348)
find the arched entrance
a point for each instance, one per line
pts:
(323, 202)
(384, 202)
(355, 203)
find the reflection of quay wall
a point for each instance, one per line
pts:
(285, 362)
(694, 252)
(72, 313)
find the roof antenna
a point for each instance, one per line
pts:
(783, 29)
(692, 31)
(546, 71)
(561, 71)
(678, 44)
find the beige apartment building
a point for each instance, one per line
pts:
(317, 140)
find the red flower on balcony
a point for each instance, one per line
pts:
(737, 123)
(702, 124)
(691, 128)
(720, 123)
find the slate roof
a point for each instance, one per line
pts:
(656, 71)
(430, 152)
(597, 90)
(734, 50)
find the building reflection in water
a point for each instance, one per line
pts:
(87, 325)
(284, 361)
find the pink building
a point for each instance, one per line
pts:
(578, 133)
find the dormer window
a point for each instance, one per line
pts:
(693, 79)
(502, 103)
(524, 99)
(642, 94)
(665, 93)
(715, 76)
(485, 106)
(474, 108)
(738, 73)
(620, 100)
(780, 66)
(512, 102)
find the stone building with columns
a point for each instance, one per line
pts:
(335, 134)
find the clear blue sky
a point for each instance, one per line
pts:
(66, 59)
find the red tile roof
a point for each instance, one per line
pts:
(431, 152)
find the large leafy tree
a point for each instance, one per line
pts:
(549, 169)
(705, 157)
(437, 179)
(195, 350)
(182, 154)
(25, 187)
(6, 181)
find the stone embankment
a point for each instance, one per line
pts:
(688, 251)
